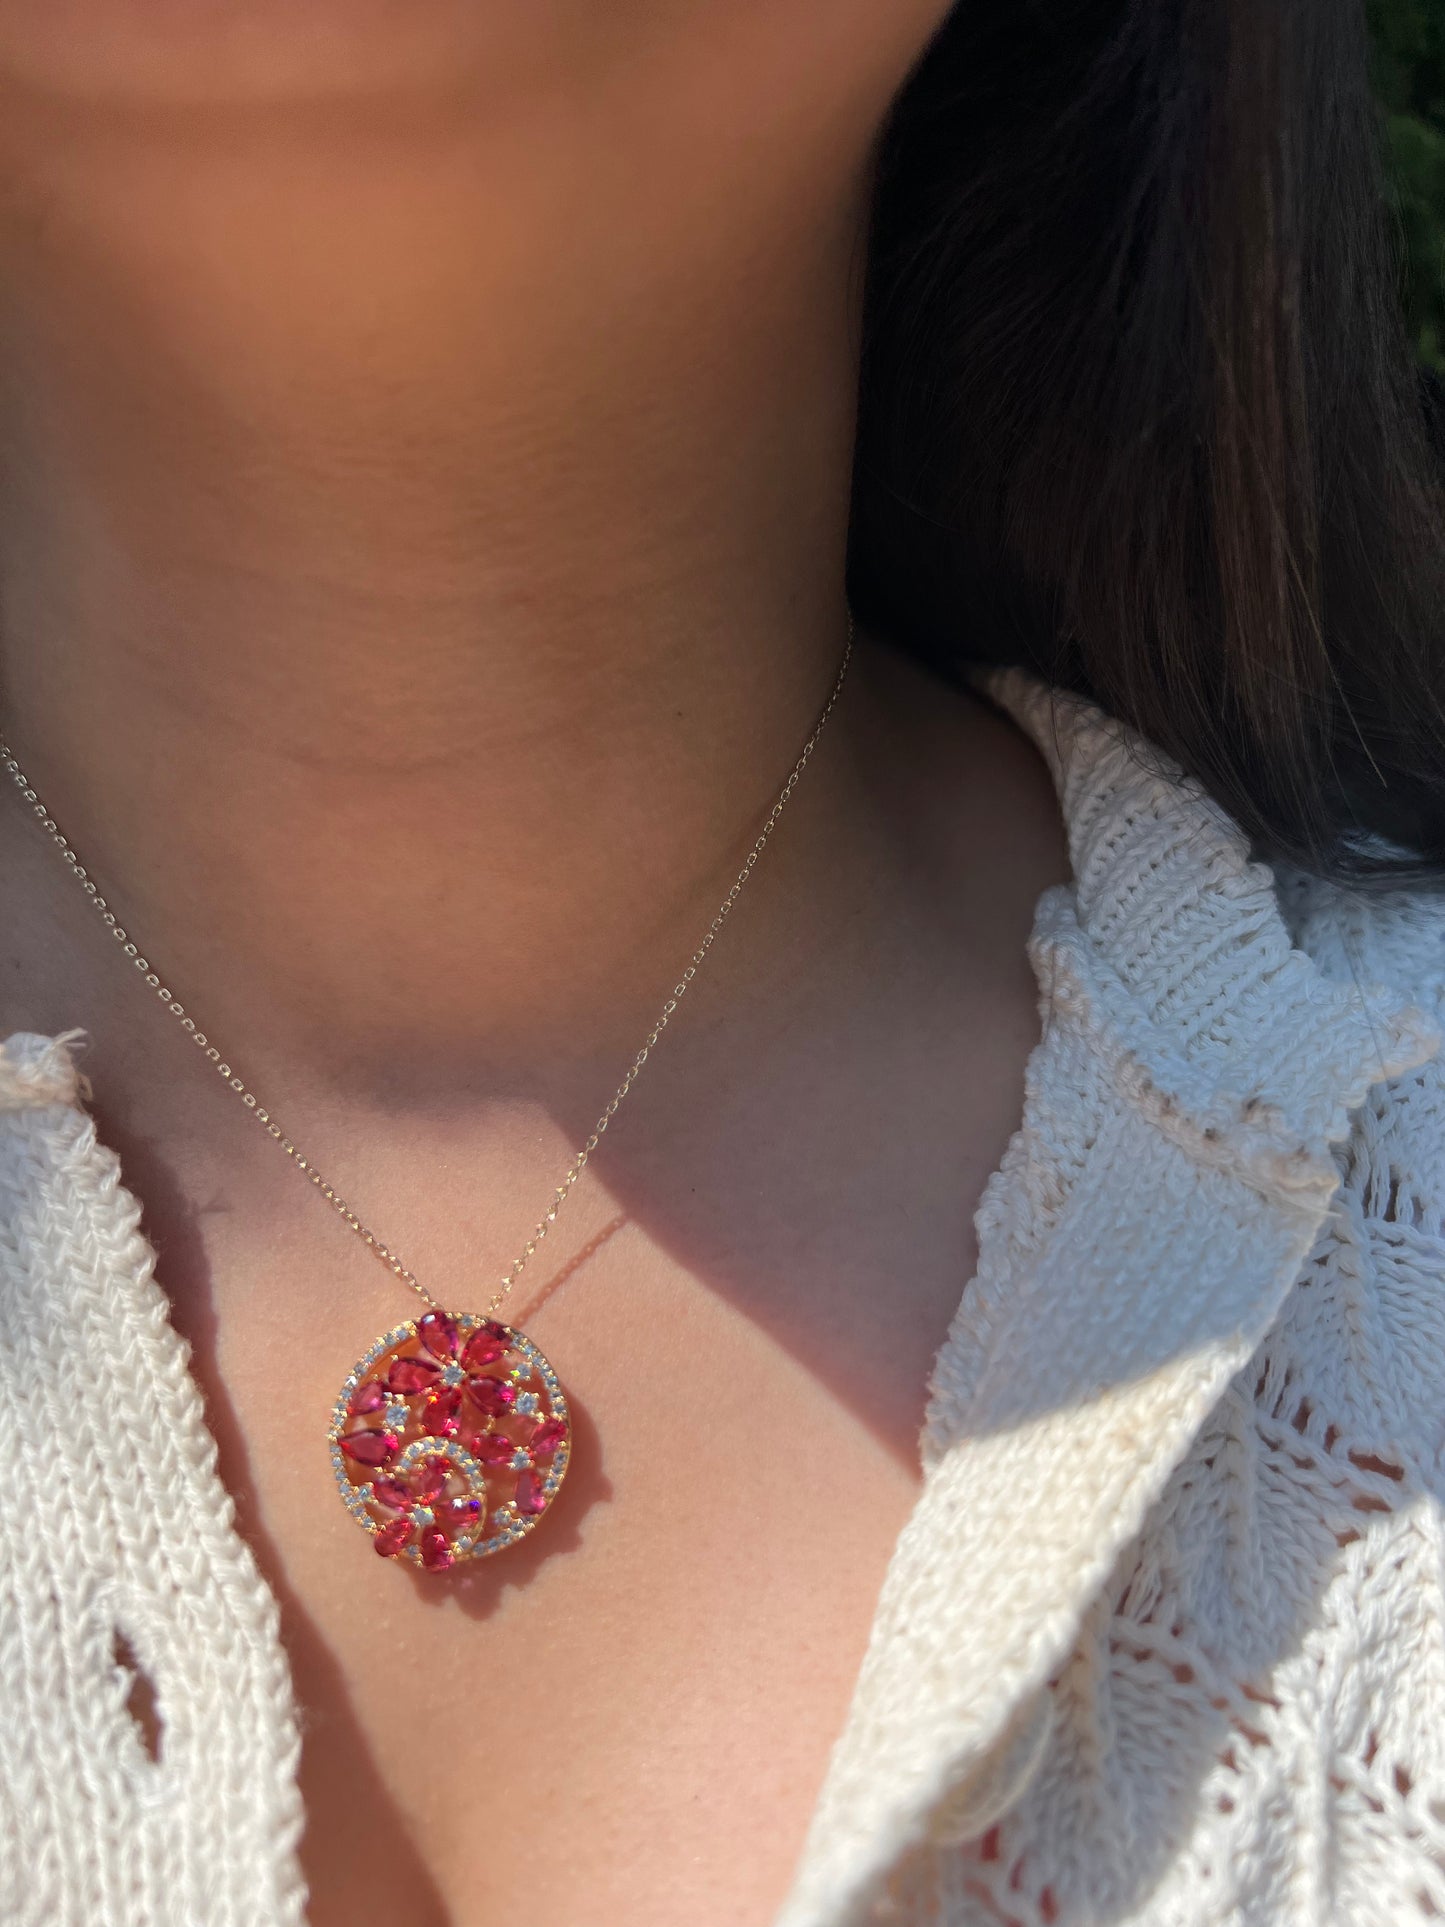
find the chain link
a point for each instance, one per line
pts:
(391, 1258)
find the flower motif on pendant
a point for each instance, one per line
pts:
(443, 1425)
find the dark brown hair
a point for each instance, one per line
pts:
(1137, 408)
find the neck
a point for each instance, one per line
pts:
(390, 600)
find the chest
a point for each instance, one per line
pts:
(630, 1712)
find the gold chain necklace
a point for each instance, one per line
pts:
(450, 1438)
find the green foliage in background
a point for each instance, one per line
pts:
(1409, 40)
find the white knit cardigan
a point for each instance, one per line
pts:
(1162, 1641)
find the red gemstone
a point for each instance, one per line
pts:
(485, 1346)
(547, 1437)
(438, 1332)
(369, 1397)
(439, 1414)
(392, 1538)
(371, 1448)
(394, 1493)
(431, 1480)
(409, 1375)
(493, 1448)
(491, 1395)
(531, 1499)
(456, 1513)
(436, 1554)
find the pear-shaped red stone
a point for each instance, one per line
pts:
(438, 1332)
(410, 1375)
(531, 1499)
(436, 1554)
(492, 1448)
(431, 1480)
(368, 1397)
(370, 1448)
(439, 1414)
(393, 1493)
(547, 1437)
(485, 1346)
(491, 1395)
(392, 1538)
(459, 1512)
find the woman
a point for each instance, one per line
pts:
(430, 448)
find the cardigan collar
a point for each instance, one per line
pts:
(1169, 1177)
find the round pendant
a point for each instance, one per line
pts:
(450, 1439)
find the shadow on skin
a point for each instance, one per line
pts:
(480, 1586)
(345, 1798)
(798, 1197)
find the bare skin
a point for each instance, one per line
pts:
(424, 442)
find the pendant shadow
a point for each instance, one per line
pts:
(479, 1587)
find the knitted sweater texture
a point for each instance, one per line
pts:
(1163, 1642)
